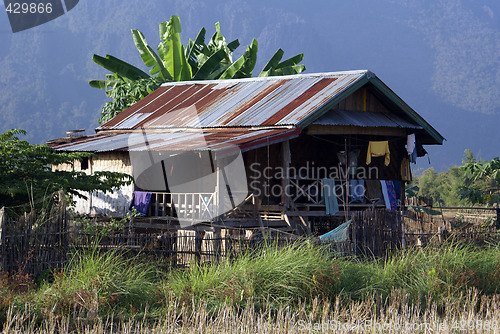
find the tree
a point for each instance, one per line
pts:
(475, 182)
(430, 184)
(26, 172)
(173, 62)
(483, 184)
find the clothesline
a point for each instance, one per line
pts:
(358, 145)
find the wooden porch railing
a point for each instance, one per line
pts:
(191, 206)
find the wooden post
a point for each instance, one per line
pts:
(440, 234)
(403, 209)
(354, 233)
(198, 243)
(498, 218)
(218, 193)
(217, 243)
(285, 182)
(2, 237)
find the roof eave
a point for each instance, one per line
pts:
(372, 78)
(407, 109)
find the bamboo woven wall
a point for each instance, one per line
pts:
(376, 232)
(114, 203)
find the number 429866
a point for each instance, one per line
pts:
(25, 8)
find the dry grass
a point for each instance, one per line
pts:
(475, 314)
(293, 289)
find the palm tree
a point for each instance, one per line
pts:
(173, 62)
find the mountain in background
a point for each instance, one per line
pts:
(441, 56)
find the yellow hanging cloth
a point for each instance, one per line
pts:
(405, 170)
(378, 149)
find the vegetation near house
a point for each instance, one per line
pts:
(173, 61)
(291, 287)
(26, 172)
(474, 182)
(294, 286)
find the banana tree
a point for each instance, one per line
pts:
(482, 182)
(173, 62)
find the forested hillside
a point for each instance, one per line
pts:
(442, 58)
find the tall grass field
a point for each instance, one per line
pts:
(296, 288)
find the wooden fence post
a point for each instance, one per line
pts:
(2, 238)
(198, 242)
(217, 242)
(498, 218)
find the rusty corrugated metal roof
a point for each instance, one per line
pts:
(364, 119)
(242, 112)
(269, 101)
(217, 141)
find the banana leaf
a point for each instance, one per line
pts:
(101, 84)
(210, 65)
(243, 67)
(290, 70)
(195, 48)
(233, 45)
(120, 67)
(172, 51)
(149, 57)
(291, 61)
(273, 62)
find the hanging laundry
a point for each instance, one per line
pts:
(389, 193)
(385, 194)
(373, 190)
(330, 196)
(141, 201)
(353, 161)
(411, 144)
(357, 190)
(391, 190)
(378, 149)
(342, 157)
(405, 170)
(339, 234)
(420, 150)
(413, 156)
(397, 188)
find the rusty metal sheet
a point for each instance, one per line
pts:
(136, 107)
(343, 82)
(244, 139)
(234, 103)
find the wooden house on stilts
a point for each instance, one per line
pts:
(296, 153)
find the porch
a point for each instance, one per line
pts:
(303, 201)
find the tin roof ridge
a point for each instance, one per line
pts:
(282, 77)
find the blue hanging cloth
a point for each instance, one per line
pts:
(330, 196)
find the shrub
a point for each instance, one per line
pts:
(99, 281)
(272, 274)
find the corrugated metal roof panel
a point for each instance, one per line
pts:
(218, 141)
(235, 103)
(268, 102)
(364, 119)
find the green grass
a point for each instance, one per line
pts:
(439, 273)
(298, 272)
(97, 284)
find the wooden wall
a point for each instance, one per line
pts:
(361, 100)
(114, 203)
